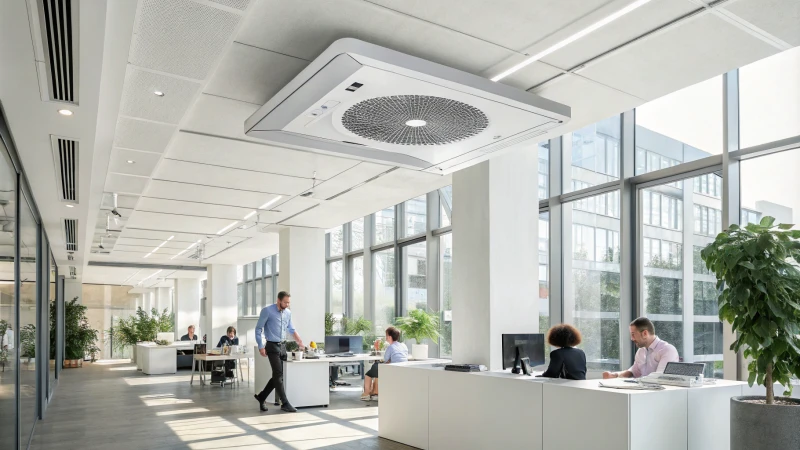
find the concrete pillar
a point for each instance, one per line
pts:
(222, 302)
(187, 305)
(495, 282)
(302, 269)
(163, 299)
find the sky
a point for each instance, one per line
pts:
(769, 110)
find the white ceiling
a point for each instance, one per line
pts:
(195, 171)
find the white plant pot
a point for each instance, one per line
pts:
(297, 356)
(419, 351)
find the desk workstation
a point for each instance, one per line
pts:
(153, 359)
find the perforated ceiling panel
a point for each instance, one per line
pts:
(141, 135)
(238, 4)
(414, 120)
(181, 37)
(139, 100)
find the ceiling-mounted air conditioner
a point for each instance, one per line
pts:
(362, 101)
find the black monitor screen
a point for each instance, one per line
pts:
(530, 346)
(343, 344)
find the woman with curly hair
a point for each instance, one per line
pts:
(566, 361)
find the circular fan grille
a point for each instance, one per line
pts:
(384, 119)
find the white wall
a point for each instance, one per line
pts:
(187, 306)
(302, 274)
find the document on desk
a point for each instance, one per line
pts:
(630, 385)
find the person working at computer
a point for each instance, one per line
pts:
(566, 361)
(396, 352)
(229, 339)
(653, 354)
(190, 336)
(273, 322)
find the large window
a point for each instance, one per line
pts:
(544, 272)
(336, 241)
(544, 169)
(384, 285)
(384, 225)
(595, 154)
(336, 287)
(446, 294)
(414, 216)
(446, 204)
(8, 304)
(415, 284)
(357, 234)
(357, 285)
(592, 294)
(257, 283)
(28, 309)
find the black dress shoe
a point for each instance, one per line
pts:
(288, 407)
(261, 404)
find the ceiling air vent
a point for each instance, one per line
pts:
(65, 158)
(71, 235)
(58, 20)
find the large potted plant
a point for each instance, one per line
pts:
(79, 337)
(3, 344)
(419, 325)
(27, 344)
(760, 298)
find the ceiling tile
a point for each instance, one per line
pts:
(152, 243)
(175, 223)
(702, 47)
(247, 180)
(253, 75)
(304, 29)
(180, 37)
(236, 154)
(139, 101)
(220, 116)
(142, 135)
(780, 18)
(206, 194)
(125, 184)
(192, 208)
(346, 180)
(527, 77)
(143, 162)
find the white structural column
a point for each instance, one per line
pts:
(72, 289)
(302, 274)
(163, 299)
(187, 305)
(221, 304)
(495, 276)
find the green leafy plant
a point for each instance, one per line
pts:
(419, 325)
(140, 327)
(3, 344)
(330, 322)
(79, 338)
(122, 333)
(292, 346)
(27, 341)
(761, 297)
(160, 342)
(352, 327)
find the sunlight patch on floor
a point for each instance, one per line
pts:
(110, 362)
(234, 443)
(124, 368)
(175, 412)
(164, 399)
(278, 418)
(352, 413)
(322, 431)
(156, 379)
(372, 424)
(322, 443)
(204, 428)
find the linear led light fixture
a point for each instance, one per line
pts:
(159, 246)
(149, 276)
(227, 227)
(186, 249)
(267, 205)
(591, 28)
(252, 213)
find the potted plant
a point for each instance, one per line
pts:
(27, 343)
(760, 298)
(293, 349)
(419, 325)
(3, 344)
(79, 337)
(330, 322)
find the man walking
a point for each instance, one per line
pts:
(273, 322)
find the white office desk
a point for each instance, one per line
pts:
(306, 381)
(430, 408)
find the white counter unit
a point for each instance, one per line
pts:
(157, 359)
(429, 408)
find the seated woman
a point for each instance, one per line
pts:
(396, 352)
(566, 361)
(229, 339)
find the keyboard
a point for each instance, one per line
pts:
(463, 367)
(342, 354)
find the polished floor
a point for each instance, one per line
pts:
(110, 405)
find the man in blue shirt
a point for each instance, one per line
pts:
(274, 321)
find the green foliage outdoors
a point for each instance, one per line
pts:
(27, 341)
(761, 297)
(419, 325)
(330, 321)
(3, 344)
(353, 327)
(79, 338)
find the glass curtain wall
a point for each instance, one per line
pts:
(8, 302)
(257, 284)
(28, 309)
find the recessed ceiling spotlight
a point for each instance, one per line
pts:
(158, 93)
(65, 112)
(416, 123)
(130, 161)
(70, 206)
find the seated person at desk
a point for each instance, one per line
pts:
(396, 352)
(190, 336)
(653, 354)
(566, 361)
(229, 339)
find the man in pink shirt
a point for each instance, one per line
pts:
(653, 354)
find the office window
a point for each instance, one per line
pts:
(29, 307)
(662, 254)
(384, 225)
(259, 298)
(595, 152)
(446, 295)
(662, 210)
(415, 271)
(685, 125)
(770, 187)
(749, 217)
(707, 220)
(357, 234)
(708, 184)
(592, 285)
(8, 300)
(415, 212)
(446, 204)
(240, 290)
(544, 170)
(768, 99)
(336, 237)
(335, 275)
(384, 285)
(357, 285)
(698, 264)
(544, 272)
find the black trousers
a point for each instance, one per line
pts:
(276, 382)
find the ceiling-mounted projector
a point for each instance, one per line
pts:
(359, 100)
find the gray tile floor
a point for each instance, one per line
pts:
(112, 406)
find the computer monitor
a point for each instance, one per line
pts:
(343, 344)
(518, 346)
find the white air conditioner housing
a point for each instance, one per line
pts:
(362, 101)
